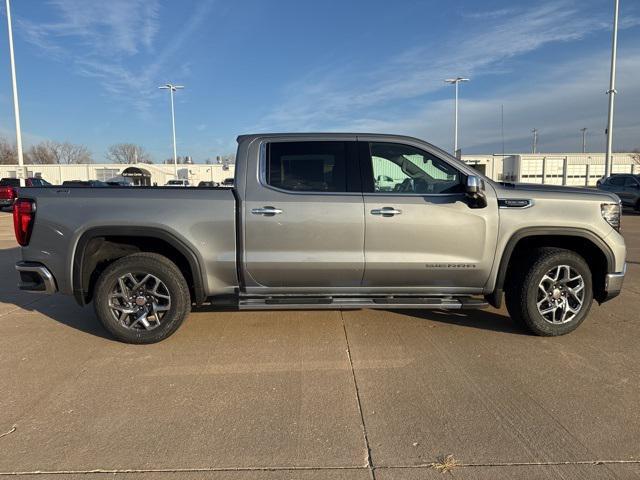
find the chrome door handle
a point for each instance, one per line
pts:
(266, 211)
(386, 211)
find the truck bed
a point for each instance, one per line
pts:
(203, 220)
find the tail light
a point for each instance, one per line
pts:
(24, 212)
(7, 193)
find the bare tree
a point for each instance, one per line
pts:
(51, 152)
(8, 152)
(635, 156)
(72, 153)
(127, 153)
(43, 153)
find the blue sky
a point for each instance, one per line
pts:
(88, 71)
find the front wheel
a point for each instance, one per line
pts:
(142, 298)
(551, 294)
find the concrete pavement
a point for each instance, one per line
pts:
(319, 395)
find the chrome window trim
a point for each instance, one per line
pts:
(403, 194)
(262, 174)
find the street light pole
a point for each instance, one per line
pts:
(456, 81)
(584, 139)
(612, 90)
(534, 148)
(16, 107)
(173, 88)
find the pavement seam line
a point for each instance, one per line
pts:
(116, 471)
(517, 464)
(358, 401)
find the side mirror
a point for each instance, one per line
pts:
(474, 185)
(475, 192)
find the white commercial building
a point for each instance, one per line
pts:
(577, 169)
(139, 174)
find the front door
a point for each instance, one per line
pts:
(304, 223)
(421, 231)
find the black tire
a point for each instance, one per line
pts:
(522, 293)
(174, 285)
(637, 206)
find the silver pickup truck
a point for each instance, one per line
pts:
(325, 221)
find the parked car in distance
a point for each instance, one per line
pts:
(9, 186)
(84, 183)
(208, 184)
(624, 185)
(29, 182)
(325, 221)
(227, 182)
(177, 183)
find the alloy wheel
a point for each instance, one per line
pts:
(560, 294)
(139, 301)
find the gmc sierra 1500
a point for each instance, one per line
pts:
(324, 221)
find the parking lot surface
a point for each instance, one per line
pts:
(319, 395)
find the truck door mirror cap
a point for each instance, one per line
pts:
(474, 184)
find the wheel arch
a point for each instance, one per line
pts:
(100, 246)
(579, 240)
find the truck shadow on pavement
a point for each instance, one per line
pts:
(63, 309)
(478, 319)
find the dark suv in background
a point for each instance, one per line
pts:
(626, 186)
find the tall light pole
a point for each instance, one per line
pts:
(172, 88)
(16, 107)
(534, 147)
(584, 139)
(612, 90)
(456, 81)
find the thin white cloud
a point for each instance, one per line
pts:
(322, 101)
(103, 39)
(558, 101)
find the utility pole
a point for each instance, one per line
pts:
(16, 107)
(612, 90)
(534, 148)
(456, 81)
(173, 88)
(584, 139)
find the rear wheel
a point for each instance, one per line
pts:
(142, 298)
(552, 293)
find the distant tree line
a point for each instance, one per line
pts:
(46, 152)
(51, 152)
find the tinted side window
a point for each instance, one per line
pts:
(10, 182)
(404, 169)
(307, 166)
(616, 181)
(630, 182)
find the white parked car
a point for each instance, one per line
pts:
(177, 183)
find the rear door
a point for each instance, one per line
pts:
(421, 231)
(631, 190)
(616, 185)
(304, 217)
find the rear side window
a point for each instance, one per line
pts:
(630, 182)
(9, 182)
(616, 181)
(308, 166)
